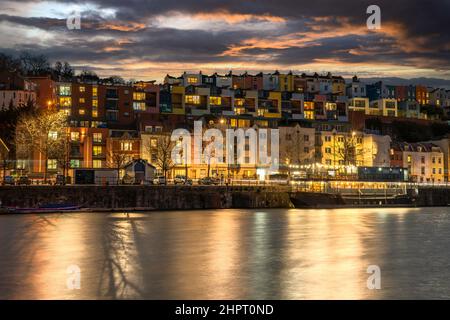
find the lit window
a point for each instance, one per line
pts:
(94, 113)
(81, 111)
(74, 163)
(217, 101)
(81, 100)
(94, 91)
(192, 99)
(139, 106)
(75, 136)
(126, 146)
(139, 96)
(192, 80)
(65, 101)
(96, 163)
(52, 164)
(97, 150)
(53, 135)
(153, 143)
(97, 137)
(82, 89)
(65, 90)
(95, 103)
(409, 158)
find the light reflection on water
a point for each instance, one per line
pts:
(227, 254)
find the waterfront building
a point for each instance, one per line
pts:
(356, 89)
(297, 144)
(424, 161)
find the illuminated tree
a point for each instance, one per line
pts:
(44, 132)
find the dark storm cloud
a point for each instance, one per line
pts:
(414, 33)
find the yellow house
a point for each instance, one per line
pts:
(275, 111)
(286, 82)
(178, 100)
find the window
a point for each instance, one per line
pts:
(192, 80)
(52, 164)
(65, 102)
(53, 135)
(82, 89)
(422, 170)
(126, 146)
(139, 106)
(288, 137)
(306, 138)
(96, 163)
(306, 150)
(95, 103)
(327, 138)
(81, 100)
(216, 101)
(309, 115)
(75, 136)
(81, 112)
(65, 90)
(97, 150)
(327, 150)
(434, 170)
(97, 137)
(139, 96)
(94, 91)
(153, 143)
(74, 163)
(422, 159)
(192, 99)
(409, 159)
(94, 113)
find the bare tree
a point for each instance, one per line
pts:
(164, 154)
(4, 158)
(348, 149)
(34, 64)
(117, 160)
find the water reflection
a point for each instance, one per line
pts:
(227, 254)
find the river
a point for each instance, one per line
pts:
(227, 254)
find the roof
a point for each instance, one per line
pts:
(415, 147)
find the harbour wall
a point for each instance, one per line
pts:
(199, 197)
(147, 197)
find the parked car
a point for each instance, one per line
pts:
(9, 180)
(209, 181)
(182, 180)
(161, 180)
(24, 180)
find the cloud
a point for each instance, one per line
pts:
(284, 34)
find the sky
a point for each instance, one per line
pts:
(140, 39)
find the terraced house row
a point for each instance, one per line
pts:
(317, 116)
